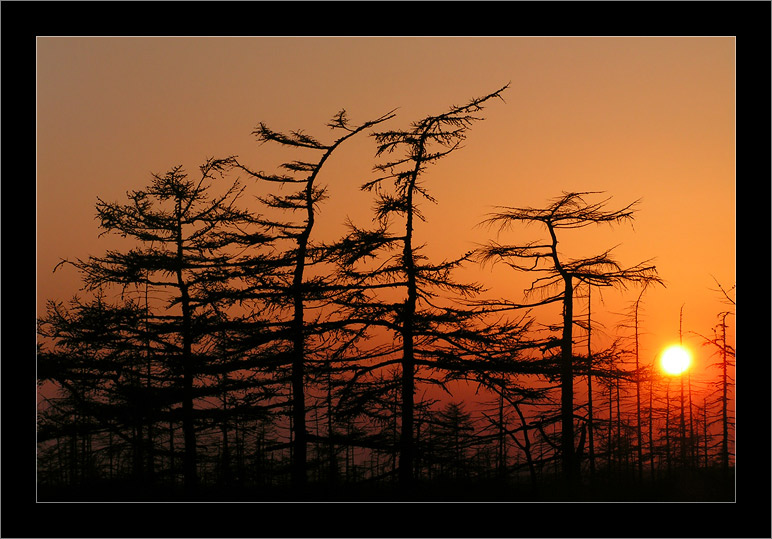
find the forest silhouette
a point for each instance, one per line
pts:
(223, 352)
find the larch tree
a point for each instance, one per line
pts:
(726, 362)
(93, 352)
(569, 211)
(294, 288)
(633, 322)
(193, 246)
(404, 271)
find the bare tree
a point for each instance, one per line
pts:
(633, 322)
(726, 353)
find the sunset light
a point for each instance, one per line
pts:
(675, 360)
(385, 268)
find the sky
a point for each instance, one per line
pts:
(649, 118)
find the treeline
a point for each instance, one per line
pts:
(228, 347)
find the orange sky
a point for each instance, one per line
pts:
(649, 118)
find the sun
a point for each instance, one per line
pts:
(675, 359)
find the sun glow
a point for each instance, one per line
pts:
(675, 359)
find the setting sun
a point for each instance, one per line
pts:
(675, 359)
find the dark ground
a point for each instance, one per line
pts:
(685, 486)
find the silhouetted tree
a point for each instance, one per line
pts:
(590, 416)
(293, 288)
(413, 317)
(193, 247)
(726, 363)
(95, 353)
(517, 398)
(570, 211)
(453, 435)
(633, 322)
(497, 416)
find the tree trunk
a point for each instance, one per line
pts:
(299, 441)
(622, 452)
(406, 445)
(651, 426)
(590, 426)
(724, 401)
(610, 425)
(502, 460)
(667, 427)
(333, 463)
(188, 428)
(406, 442)
(172, 463)
(705, 427)
(526, 447)
(570, 470)
(638, 393)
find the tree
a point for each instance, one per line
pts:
(194, 251)
(634, 324)
(452, 432)
(94, 353)
(726, 353)
(295, 289)
(414, 318)
(569, 211)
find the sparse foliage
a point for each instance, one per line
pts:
(569, 211)
(233, 349)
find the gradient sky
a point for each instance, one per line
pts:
(639, 118)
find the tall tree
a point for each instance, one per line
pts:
(569, 211)
(633, 322)
(298, 289)
(414, 318)
(725, 364)
(193, 245)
